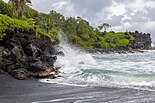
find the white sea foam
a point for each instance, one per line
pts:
(73, 58)
(121, 70)
(61, 82)
(152, 44)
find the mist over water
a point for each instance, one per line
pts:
(107, 70)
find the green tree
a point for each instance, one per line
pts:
(30, 13)
(5, 8)
(79, 32)
(43, 22)
(47, 22)
(22, 5)
(19, 7)
(104, 25)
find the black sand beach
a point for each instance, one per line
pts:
(32, 91)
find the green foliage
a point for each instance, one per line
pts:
(19, 7)
(7, 23)
(111, 39)
(30, 13)
(47, 22)
(2, 36)
(50, 24)
(5, 8)
(79, 32)
(104, 25)
(37, 33)
(52, 35)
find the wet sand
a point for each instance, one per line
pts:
(32, 91)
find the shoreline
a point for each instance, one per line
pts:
(33, 91)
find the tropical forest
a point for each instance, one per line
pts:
(17, 15)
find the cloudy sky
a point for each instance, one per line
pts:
(122, 15)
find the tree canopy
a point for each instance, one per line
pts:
(19, 6)
(5, 8)
(104, 25)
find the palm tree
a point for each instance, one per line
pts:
(22, 6)
(19, 6)
(14, 4)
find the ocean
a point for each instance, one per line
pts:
(131, 70)
(102, 78)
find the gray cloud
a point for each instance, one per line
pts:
(116, 20)
(91, 6)
(151, 14)
(138, 16)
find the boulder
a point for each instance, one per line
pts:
(12, 67)
(60, 53)
(19, 56)
(32, 50)
(37, 66)
(1, 50)
(6, 62)
(20, 74)
(48, 60)
(42, 63)
(48, 73)
(6, 53)
(2, 66)
(2, 72)
(22, 54)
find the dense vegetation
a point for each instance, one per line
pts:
(111, 39)
(5, 8)
(7, 23)
(76, 31)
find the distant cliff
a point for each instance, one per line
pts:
(142, 40)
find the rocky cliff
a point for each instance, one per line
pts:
(23, 55)
(142, 40)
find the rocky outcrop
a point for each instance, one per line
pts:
(23, 55)
(142, 40)
(48, 73)
(20, 73)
